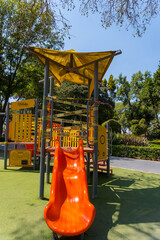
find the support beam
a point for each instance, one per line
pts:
(44, 122)
(6, 137)
(88, 154)
(35, 134)
(95, 158)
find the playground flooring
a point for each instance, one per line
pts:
(127, 206)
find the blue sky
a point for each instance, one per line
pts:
(138, 53)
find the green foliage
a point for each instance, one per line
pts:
(140, 99)
(112, 87)
(114, 125)
(139, 128)
(128, 139)
(153, 132)
(149, 153)
(155, 143)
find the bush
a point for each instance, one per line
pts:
(149, 153)
(129, 139)
(153, 132)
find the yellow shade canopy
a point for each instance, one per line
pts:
(76, 67)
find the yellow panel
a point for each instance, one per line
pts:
(29, 126)
(19, 157)
(21, 127)
(17, 127)
(13, 127)
(23, 104)
(102, 143)
(25, 129)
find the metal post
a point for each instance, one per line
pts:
(108, 155)
(51, 88)
(48, 165)
(61, 137)
(51, 120)
(88, 154)
(49, 143)
(35, 134)
(6, 137)
(95, 158)
(44, 122)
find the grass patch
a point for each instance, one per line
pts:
(127, 206)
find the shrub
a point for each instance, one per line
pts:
(139, 128)
(129, 139)
(149, 153)
(153, 132)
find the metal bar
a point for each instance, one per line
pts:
(108, 153)
(69, 103)
(48, 165)
(95, 158)
(77, 112)
(67, 120)
(101, 59)
(44, 115)
(35, 133)
(53, 236)
(88, 155)
(6, 137)
(51, 121)
(82, 236)
(49, 143)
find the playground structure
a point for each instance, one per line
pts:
(81, 68)
(25, 130)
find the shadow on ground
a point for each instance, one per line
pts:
(119, 203)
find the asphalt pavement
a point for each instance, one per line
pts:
(136, 164)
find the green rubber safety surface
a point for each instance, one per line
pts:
(127, 206)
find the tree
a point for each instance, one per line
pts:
(134, 96)
(112, 87)
(150, 94)
(136, 13)
(24, 23)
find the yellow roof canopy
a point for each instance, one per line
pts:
(76, 67)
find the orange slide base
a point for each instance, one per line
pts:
(69, 211)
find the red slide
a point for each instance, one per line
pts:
(69, 211)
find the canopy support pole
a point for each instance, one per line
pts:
(95, 158)
(44, 122)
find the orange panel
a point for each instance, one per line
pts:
(69, 212)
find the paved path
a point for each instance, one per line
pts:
(136, 164)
